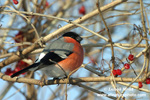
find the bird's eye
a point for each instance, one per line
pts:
(79, 39)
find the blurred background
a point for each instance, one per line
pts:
(125, 27)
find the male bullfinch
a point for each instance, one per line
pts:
(59, 58)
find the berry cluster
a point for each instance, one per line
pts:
(19, 66)
(19, 38)
(9, 71)
(117, 72)
(126, 66)
(130, 58)
(147, 82)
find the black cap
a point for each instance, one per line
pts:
(73, 35)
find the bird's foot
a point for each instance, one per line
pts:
(57, 80)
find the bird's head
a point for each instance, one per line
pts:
(73, 35)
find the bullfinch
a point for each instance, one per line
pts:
(59, 58)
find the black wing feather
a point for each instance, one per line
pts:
(25, 70)
(52, 58)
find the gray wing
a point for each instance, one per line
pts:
(60, 47)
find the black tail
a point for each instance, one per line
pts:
(29, 68)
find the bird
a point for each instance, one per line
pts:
(59, 58)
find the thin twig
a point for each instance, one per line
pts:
(135, 78)
(63, 81)
(121, 45)
(108, 33)
(55, 33)
(145, 35)
(26, 19)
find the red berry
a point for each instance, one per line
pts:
(8, 71)
(22, 64)
(15, 1)
(82, 10)
(131, 57)
(126, 66)
(47, 4)
(12, 72)
(114, 72)
(119, 72)
(140, 84)
(148, 81)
